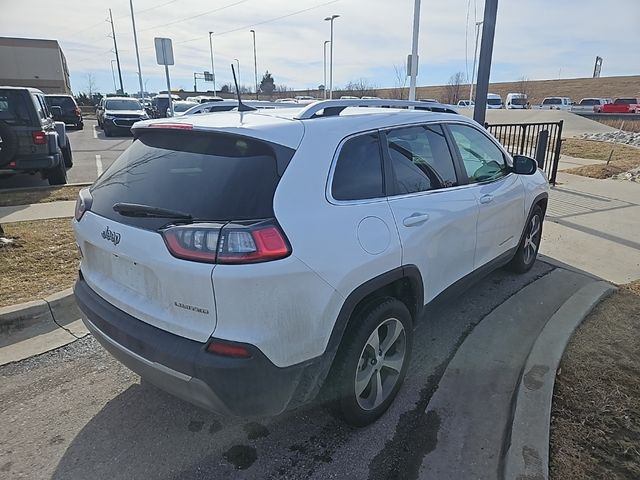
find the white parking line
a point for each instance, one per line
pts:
(99, 164)
(95, 132)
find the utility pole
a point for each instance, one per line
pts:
(255, 61)
(115, 48)
(238, 62)
(324, 81)
(475, 57)
(113, 75)
(414, 51)
(135, 41)
(213, 69)
(331, 19)
(484, 65)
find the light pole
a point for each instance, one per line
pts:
(113, 75)
(135, 41)
(238, 62)
(324, 61)
(414, 51)
(255, 61)
(484, 62)
(213, 70)
(331, 19)
(475, 57)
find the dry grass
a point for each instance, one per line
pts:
(44, 195)
(595, 419)
(624, 157)
(42, 260)
(629, 125)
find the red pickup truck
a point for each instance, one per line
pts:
(622, 105)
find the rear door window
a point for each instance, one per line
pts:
(420, 159)
(215, 177)
(358, 171)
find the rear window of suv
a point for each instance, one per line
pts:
(211, 176)
(13, 108)
(65, 103)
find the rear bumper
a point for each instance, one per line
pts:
(28, 164)
(183, 367)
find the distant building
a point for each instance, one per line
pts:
(28, 62)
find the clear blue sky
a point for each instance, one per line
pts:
(539, 39)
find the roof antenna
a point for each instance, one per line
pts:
(241, 106)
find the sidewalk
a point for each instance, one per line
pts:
(37, 211)
(594, 225)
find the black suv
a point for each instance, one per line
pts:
(30, 140)
(69, 113)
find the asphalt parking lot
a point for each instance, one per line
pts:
(77, 413)
(92, 154)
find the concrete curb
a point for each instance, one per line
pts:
(44, 187)
(528, 452)
(36, 327)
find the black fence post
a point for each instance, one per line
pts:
(541, 147)
(556, 156)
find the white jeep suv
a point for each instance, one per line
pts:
(242, 260)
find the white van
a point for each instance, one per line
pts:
(494, 101)
(517, 101)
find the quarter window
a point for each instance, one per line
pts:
(420, 159)
(482, 158)
(358, 172)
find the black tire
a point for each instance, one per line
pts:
(80, 126)
(526, 254)
(107, 132)
(9, 144)
(57, 175)
(356, 357)
(67, 155)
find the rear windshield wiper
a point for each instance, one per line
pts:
(137, 210)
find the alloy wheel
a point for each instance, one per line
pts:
(532, 240)
(380, 364)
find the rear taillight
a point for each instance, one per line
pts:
(77, 111)
(39, 137)
(231, 244)
(83, 203)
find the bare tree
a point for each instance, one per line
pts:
(360, 88)
(91, 84)
(524, 86)
(454, 87)
(399, 91)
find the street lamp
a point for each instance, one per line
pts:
(475, 56)
(255, 61)
(238, 62)
(213, 70)
(331, 19)
(324, 61)
(113, 74)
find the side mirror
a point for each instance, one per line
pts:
(523, 165)
(56, 112)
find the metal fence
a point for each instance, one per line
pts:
(541, 141)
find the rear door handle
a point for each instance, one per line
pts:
(486, 199)
(415, 219)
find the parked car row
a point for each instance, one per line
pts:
(31, 140)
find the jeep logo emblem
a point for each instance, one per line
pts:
(111, 236)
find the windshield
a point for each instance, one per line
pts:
(123, 104)
(552, 101)
(518, 101)
(494, 101)
(65, 103)
(625, 101)
(209, 176)
(183, 107)
(590, 101)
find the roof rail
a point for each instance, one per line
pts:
(330, 108)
